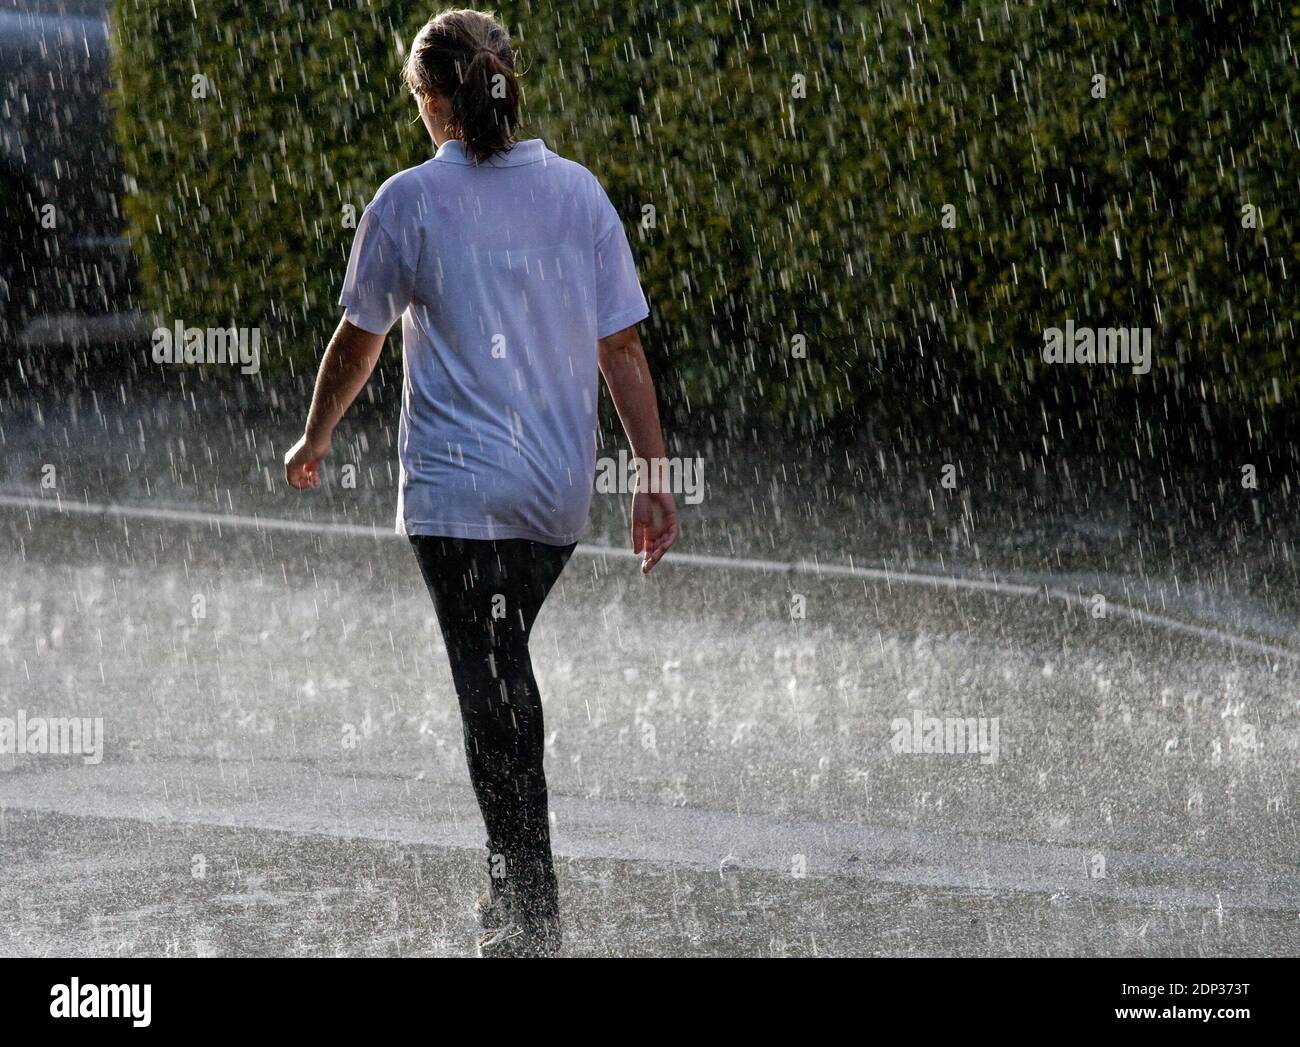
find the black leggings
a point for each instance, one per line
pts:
(487, 595)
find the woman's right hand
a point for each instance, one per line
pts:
(654, 526)
(302, 463)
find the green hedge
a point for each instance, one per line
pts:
(779, 216)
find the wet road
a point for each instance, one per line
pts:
(282, 768)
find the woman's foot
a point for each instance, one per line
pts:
(492, 909)
(520, 915)
(516, 940)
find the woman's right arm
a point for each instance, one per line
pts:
(627, 374)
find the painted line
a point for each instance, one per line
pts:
(999, 587)
(305, 797)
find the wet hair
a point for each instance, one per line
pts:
(466, 56)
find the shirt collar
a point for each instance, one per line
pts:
(529, 151)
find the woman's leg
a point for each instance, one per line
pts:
(487, 596)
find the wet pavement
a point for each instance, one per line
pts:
(725, 777)
(106, 887)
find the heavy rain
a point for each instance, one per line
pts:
(972, 334)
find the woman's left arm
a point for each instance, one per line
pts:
(347, 365)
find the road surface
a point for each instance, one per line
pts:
(282, 771)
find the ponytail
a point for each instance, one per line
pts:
(485, 108)
(466, 56)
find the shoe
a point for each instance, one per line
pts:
(519, 914)
(492, 909)
(515, 941)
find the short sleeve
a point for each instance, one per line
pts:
(379, 283)
(619, 300)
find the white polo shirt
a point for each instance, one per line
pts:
(505, 275)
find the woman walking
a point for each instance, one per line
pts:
(515, 283)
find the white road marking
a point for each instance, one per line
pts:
(801, 567)
(305, 798)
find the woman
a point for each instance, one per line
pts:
(515, 283)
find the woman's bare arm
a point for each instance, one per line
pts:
(627, 374)
(347, 365)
